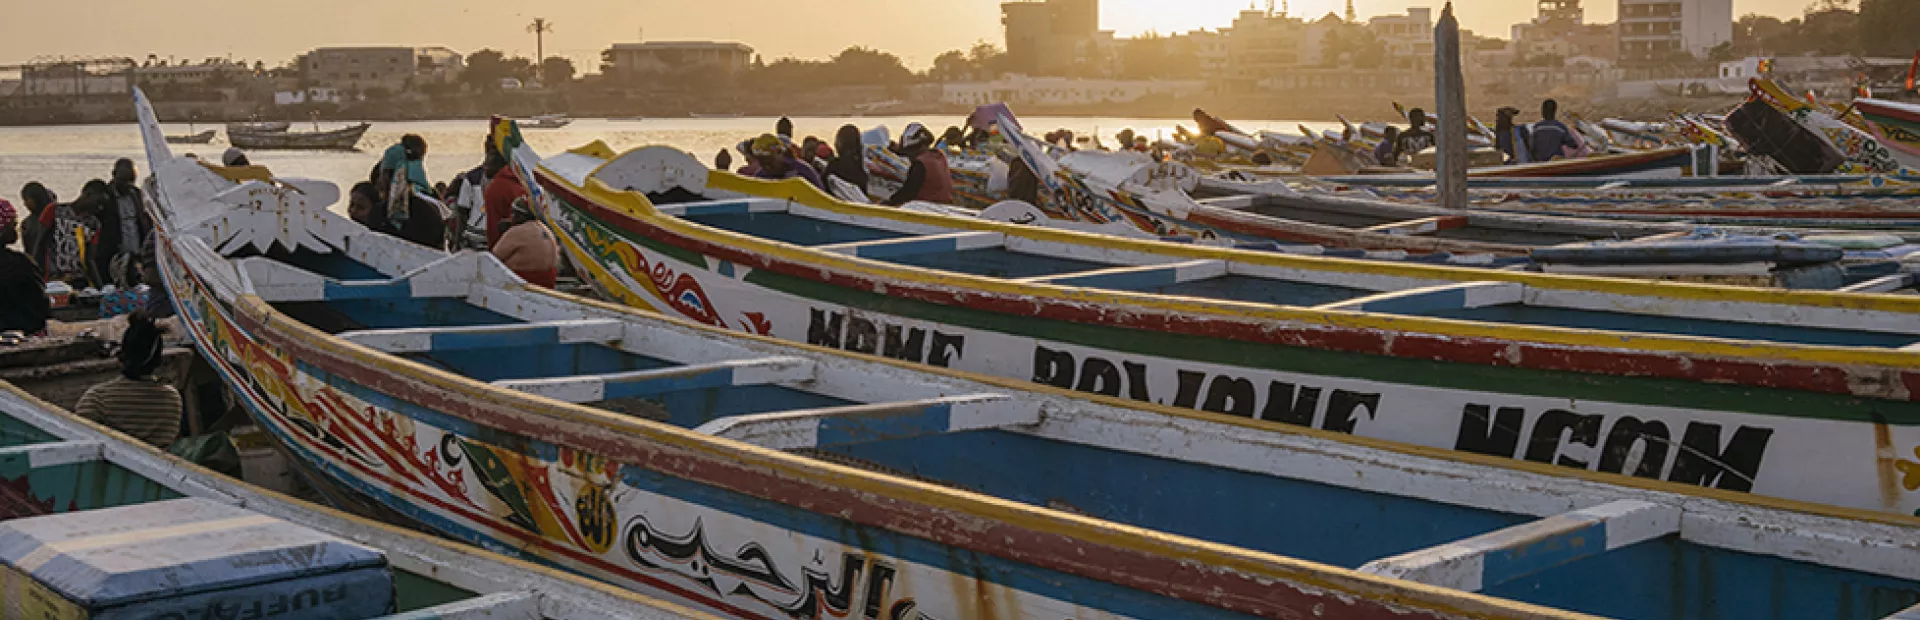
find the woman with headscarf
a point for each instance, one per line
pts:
(929, 179)
(849, 157)
(136, 402)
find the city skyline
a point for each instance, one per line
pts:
(916, 30)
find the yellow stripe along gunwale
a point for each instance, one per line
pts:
(1257, 565)
(801, 192)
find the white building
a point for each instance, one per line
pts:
(1053, 91)
(1409, 37)
(1654, 30)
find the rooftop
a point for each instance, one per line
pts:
(657, 45)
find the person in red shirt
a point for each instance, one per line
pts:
(501, 192)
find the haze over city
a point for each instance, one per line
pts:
(917, 30)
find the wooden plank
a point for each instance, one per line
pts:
(594, 388)
(1422, 226)
(1433, 298)
(908, 246)
(832, 426)
(725, 207)
(1882, 284)
(1140, 277)
(57, 453)
(1504, 555)
(424, 339)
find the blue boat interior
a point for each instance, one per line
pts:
(944, 253)
(1321, 521)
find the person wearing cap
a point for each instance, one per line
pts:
(23, 292)
(773, 160)
(528, 248)
(136, 403)
(234, 158)
(929, 179)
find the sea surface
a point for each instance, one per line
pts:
(64, 157)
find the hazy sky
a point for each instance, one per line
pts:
(276, 30)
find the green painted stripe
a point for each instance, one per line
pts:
(1383, 369)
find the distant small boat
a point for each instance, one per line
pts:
(547, 121)
(259, 127)
(727, 115)
(198, 138)
(626, 119)
(338, 139)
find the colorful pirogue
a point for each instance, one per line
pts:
(739, 474)
(251, 553)
(1720, 386)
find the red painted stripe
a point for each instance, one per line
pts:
(1453, 349)
(1166, 575)
(1876, 108)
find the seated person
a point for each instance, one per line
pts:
(528, 248)
(136, 403)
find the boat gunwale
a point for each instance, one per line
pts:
(1668, 356)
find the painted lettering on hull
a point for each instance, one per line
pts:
(859, 334)
(1299, 405)
(1706, 454)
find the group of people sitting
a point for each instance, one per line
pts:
(1543, 140)
(103, 238)
(776, 156)
(484, 209)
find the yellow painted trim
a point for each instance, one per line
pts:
(801, 192)
(1254, 563)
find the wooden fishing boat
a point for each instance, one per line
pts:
(203, 137)
(547, 121)
(259, 127)
(59, 470)
(344, 139)
(744, 475)
(1896, 124)
(1436, 356)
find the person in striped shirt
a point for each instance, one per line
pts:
(135, 402)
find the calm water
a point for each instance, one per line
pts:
(65, 157)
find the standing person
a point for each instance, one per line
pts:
(723, 161)
(66, 229)
(1387, 153)
(33, 232)
(470, 201)
(136, 403)
(928, 179)
(784, 129)
(849, 157)
(23, 292)
(123, 226)
(1552, 139)
(1416, 138)
(401, 165)
(501, 192)
(774, 161)
(528, 248)
(1512, 139)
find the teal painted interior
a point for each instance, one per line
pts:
(14, 432)
(338, 316)
(1264, 291)
(1670, 578)
(790, 228)
(1302, 519)
(1346, 527)
(69, 487)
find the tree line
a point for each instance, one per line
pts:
(1829, 28)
